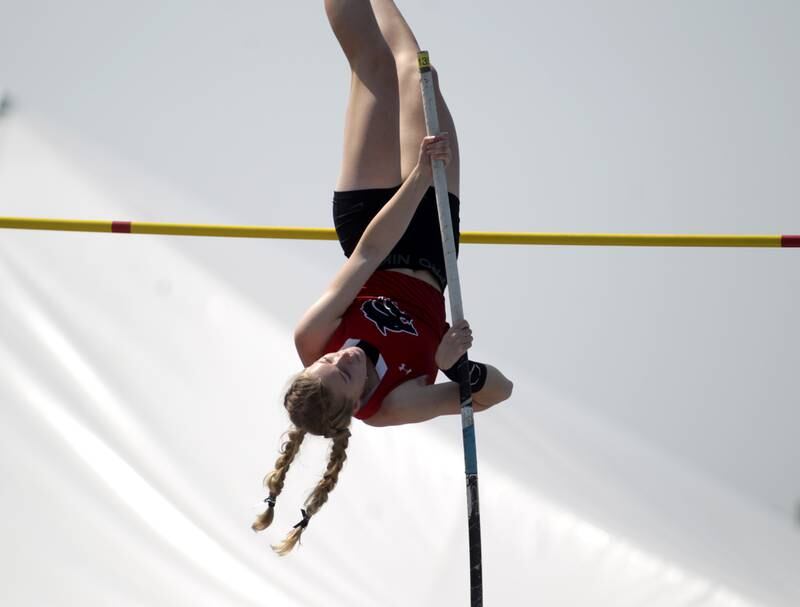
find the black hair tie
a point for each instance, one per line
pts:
(304, 523)
(271, 501)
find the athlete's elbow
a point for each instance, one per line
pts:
(506, 390)
(494, 393)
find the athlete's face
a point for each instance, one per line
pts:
(344, 372)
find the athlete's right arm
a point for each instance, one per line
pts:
(381, 235)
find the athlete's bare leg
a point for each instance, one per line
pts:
(371, 156)
(404, 48)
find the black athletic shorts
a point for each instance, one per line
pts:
(420, 248)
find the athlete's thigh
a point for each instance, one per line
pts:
(412, 122)
(371, 151)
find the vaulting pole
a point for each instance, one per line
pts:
(457, 314)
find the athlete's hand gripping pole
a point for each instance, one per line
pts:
(457, 314)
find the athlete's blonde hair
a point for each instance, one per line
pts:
(312, 409)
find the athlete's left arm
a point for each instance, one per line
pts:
(414, 402)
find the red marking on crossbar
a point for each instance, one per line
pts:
(791, 240)
(121, 227)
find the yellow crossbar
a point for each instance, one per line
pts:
(517, 238)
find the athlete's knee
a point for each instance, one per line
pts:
(378, 67)
(354, 26)
(408, 77)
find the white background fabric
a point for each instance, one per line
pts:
(648, 455)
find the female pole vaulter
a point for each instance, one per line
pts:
(373, 343)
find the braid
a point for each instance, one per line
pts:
(319, 496)
(274, 480)
(335, 463)
(313, 410)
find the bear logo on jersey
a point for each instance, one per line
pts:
(387, 316)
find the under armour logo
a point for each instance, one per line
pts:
(404, 369)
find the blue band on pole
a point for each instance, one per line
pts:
(470, 451)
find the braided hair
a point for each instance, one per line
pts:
(315, 410)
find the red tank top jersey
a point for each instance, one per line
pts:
(404, 318)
